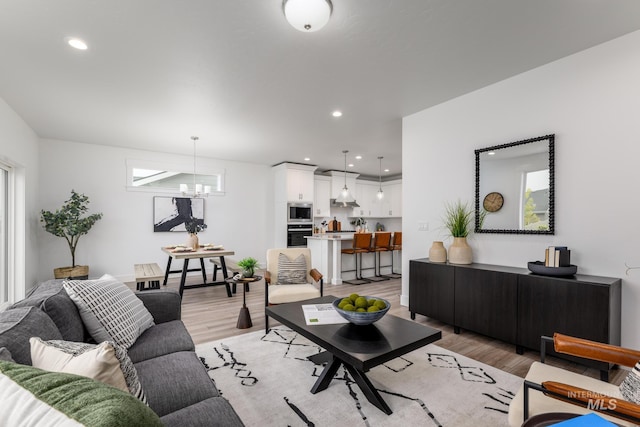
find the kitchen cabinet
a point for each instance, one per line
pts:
(293, 182)
(365, 196)
(390, 206)
(392, 201)
(516, 306)
(322, 196)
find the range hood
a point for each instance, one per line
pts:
(344, 204)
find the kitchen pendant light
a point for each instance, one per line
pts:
(380, 193)
(197, 188)
(307, 15)
(345, 195)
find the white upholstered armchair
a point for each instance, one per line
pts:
(290, 277)
(549, 389)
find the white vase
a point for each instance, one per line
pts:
(437, 252)
(192, 241)
(460, 251)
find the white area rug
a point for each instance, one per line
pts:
(267, 379)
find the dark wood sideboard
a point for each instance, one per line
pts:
(516, 306)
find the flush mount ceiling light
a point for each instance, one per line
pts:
(197, 188)
(307, 15)
(337, 113)
(76, 43)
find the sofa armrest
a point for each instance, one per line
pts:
(163, 304)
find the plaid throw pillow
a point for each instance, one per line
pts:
(109, 310)
(630, 387)
(292, 272)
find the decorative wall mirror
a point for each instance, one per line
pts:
(514, 187)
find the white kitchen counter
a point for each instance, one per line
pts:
(332, 236)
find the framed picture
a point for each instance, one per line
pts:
(170, 213)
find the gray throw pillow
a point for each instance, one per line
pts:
(630, 386)
(109, 309)
(51, 298)
(17, 325)
(292, 272)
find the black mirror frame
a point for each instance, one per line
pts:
(551, 229)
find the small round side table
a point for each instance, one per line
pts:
(244, 318)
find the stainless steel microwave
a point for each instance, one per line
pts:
(299, 212)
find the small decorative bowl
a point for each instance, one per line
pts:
(362, 318)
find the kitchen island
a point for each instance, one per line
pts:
(326, 255)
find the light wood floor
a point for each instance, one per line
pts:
(210, 315)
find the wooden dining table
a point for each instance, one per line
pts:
(200, 254)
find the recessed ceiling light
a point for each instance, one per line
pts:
(386, 170)
(491, 153)
(337, 113)
(358, 157)
(350, 165)
(306, 159)
(76, 43)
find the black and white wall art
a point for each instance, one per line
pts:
(170, 213)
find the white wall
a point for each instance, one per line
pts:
(239, 220)
(591, 102)
(19, 148)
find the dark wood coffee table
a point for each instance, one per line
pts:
(358, 348)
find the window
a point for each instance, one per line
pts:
(535, 200)
(4, 233)
(159, 177)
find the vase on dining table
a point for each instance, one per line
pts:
(192, 241)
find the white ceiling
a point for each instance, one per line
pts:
(254, 89)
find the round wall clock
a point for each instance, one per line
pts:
(493, 202)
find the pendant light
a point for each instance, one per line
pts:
(380, 193)
(345, 196)
(307, 15)
(197, 188)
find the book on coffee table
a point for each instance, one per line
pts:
(321, 314)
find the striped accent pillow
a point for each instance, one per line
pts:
(109, 309)
(292, 272)
(58, 399)
(106, 362)
(630, 387)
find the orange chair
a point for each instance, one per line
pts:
(381, 243)
(361, 245)
(396, 245)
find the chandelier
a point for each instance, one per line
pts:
(197, 190)
(307, 15)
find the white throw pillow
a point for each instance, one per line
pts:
(105, 362)
(109, 309)
(292, 272)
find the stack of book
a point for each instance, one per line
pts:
(557, 256)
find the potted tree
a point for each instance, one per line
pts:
(66, 222)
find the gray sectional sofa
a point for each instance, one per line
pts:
(177, 386)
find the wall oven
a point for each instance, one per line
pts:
(299, 212)
(296, 234)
